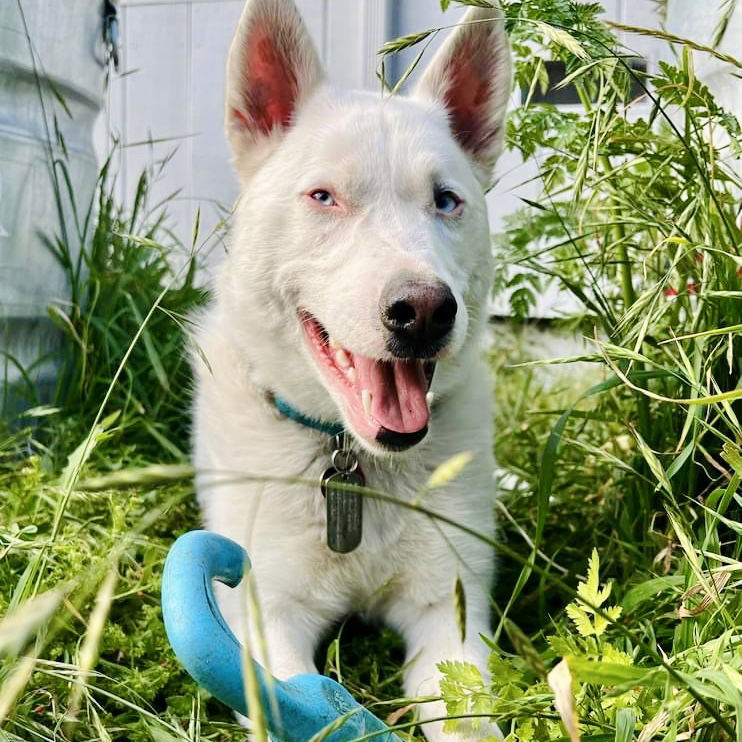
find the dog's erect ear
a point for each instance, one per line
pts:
(470, 75)
(272, 67)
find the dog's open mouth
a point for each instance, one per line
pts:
(385, 401)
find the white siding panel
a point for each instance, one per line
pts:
(344, 42)
(212, 183)
(314, 12)
(157, 92)
(377, 26)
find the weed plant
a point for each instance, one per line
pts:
(120, 269)
(618, 609)
(123, 269)
(636, 220)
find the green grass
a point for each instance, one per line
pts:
(635, 453)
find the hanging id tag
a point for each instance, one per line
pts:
(344, 509)
(343, 506)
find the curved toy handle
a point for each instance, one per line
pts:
(295, 709)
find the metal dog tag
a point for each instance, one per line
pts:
(344, 509)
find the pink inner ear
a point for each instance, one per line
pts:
(270, 86)
(468, 94)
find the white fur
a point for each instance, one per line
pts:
(382, 156)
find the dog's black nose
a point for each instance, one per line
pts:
(419, 315)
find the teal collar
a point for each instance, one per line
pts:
(321, 426)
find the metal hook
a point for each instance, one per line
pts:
(111, 33)
(343, 458)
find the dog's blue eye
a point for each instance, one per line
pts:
(322, 197)
(446, 201)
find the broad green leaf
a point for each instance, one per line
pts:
(590, 590)
(502, 670)
(580, 618)
(649, 590)
(734, 676)
(601, 622)
(462, 673)
(615, 656)
(613, 674)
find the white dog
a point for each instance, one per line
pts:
(359, 264)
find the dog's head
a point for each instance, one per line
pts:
(361, 253)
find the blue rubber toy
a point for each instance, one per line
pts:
(295, 709)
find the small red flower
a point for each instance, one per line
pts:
(671, 293)
(690, 287)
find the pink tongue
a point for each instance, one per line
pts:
(398, 391)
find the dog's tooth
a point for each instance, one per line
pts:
(342, 358)
(334, 344)
(366, 400)
(429, 397)
(350, 372)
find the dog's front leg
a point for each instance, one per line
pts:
(284, 638)
(433, 635)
